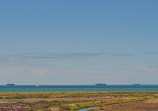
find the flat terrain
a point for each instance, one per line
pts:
(73, 101)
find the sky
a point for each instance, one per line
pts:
(76, 42)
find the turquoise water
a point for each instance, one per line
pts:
(74, 88)
(78, 89)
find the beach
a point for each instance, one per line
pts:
(76, 101)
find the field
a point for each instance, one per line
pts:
(73, 101)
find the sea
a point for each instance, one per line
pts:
(80, 88)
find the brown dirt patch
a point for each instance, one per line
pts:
(139, 106)
(20, 106)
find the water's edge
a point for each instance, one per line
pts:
(89, 109)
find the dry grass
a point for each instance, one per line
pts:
(152, 101)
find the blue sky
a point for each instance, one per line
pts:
(78, 41)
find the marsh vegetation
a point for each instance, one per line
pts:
(73, 101)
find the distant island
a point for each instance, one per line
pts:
(100, 84)
(136, 84)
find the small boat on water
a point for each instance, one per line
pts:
(36, 85)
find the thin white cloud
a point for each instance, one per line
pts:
(150, 52)
(58, 55)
